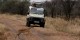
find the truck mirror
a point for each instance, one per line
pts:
(28, 13)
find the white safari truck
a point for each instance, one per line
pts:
(35, 16)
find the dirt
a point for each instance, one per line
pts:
(18, 31)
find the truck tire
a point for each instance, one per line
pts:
(28, 24)
(42, 25)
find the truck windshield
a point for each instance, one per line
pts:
(36, 11)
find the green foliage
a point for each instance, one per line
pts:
(60, 8)
(14, 7)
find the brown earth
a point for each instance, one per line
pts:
(18, 30)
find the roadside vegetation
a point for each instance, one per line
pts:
(66, 9)
(63, 16)
(59, 24)
(3, 29)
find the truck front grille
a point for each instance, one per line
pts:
(37, 19)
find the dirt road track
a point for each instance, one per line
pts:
(18, 31)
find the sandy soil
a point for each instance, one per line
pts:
(18, 31)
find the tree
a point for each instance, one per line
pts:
(15, 7)
(50, 7)
(67, 7)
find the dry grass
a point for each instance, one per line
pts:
(72, 26)
(14, 17)
(3, 29)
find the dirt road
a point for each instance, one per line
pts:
(18, 31)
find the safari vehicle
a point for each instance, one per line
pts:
(35, 16)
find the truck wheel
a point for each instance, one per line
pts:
(42, 25)
(28, 24)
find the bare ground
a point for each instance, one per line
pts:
(18, 30)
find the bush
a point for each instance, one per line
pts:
(66, 9)
(15, 7)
